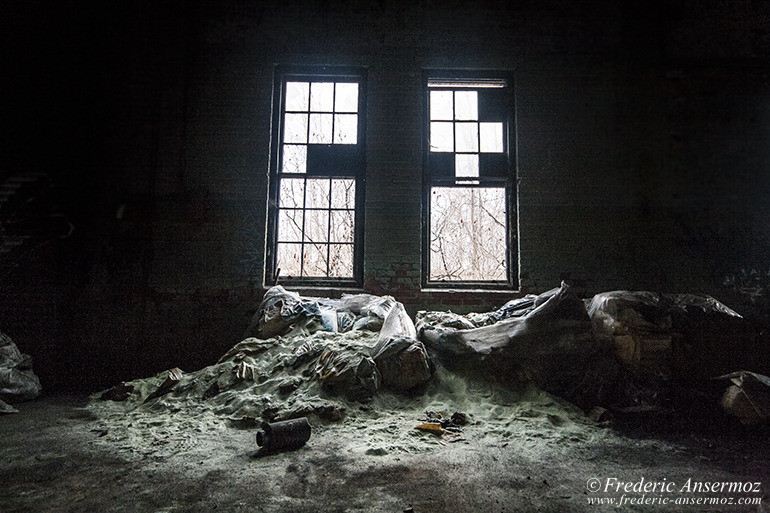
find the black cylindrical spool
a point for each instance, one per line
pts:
(286, 434)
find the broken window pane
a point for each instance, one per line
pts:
(341, 260)
(292, 193)
(466, 105)
(441, 137)
(466, 166)
(314, 260)
(341, 228)
(297, 94)
(317, 193)
(288, 259)
(320, 128)
(491, 137)
(295, 128)
(289, 225)
(294, 158)
(322, 97)
(345, 128)
(467, 234)
(316, 226)
(343, 194)
(346, 98)
(441, 105)
(467, 135)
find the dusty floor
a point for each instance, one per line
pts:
(60, 454)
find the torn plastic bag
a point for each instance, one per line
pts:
(402, 360)
(553, 344)
(277, 312)
(17, 380)
(367, 305)
(285, 313)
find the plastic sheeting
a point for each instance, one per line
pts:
(398, 361)
(283, 312)
(549, 338)
(687, 337)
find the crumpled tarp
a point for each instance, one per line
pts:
(548, 337)
(17, 380)
(401, 362)
(686, 337)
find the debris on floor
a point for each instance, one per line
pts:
(7, 408)
(286, 435)
(748, 397)
(17, 380)
(119, 392)
(313, 355)
(620, 355)
(449, 428)
(431, 427)
(172, 378)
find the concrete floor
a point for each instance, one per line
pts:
(57, 455)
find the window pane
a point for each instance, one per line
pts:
(314, 260)
(467, 136)
(290, 225)
(294, 158)
(317, 193)
(467, 234)
(466, 166)
(341, 226)
(297, 94)
(491, 137)
(441, 137)
(320, 128)
(441, 105)
(295, 128)
(292, 193)
(322, 96)
(316, 225)
(344, 194)
(345, 128)
(346, 98)
(288, 259)
(341, 260)
(466, 105)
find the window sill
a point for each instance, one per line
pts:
(320, 290)
(432, 290)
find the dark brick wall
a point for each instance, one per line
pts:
(643, 142)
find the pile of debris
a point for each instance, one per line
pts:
(624, 350)
(308, 356)
(620, 350)
(17, 380)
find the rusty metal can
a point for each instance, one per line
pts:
(283, 435)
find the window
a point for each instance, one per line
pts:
(315, 219)
(469, 204)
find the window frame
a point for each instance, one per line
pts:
(291, 73)
(508, 182)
